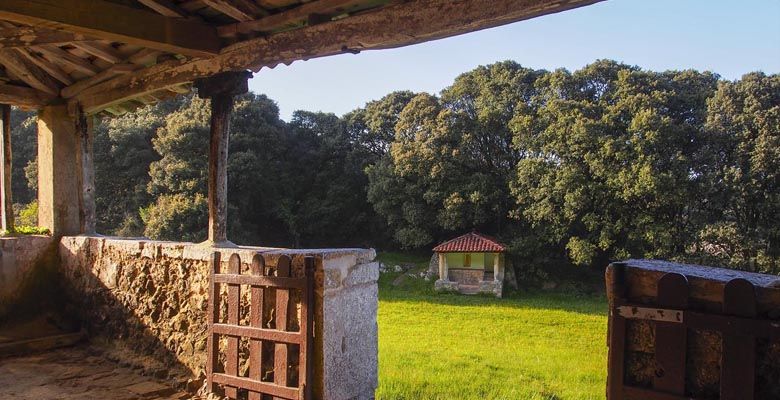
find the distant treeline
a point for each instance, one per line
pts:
(607, 162)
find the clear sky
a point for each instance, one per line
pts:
(729, 37)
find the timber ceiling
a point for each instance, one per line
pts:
(112, 56)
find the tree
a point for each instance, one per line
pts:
(449, 165)
(743, 228)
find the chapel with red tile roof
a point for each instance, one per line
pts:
(471, 263)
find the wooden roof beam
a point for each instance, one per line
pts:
(24, 97)
(396, 25)
(25, 36)
(117, 23)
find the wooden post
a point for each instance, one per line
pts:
(86, 156)
(496, 262)
(220, 89)
(7, 212)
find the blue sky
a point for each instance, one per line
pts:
(729, 37)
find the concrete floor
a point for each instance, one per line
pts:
(77, 373)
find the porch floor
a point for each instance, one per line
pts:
(77, 373)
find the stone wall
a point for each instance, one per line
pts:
(151, 298)
(22, 268)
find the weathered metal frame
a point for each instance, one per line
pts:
(280, 286)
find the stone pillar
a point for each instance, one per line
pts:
(347, 329)
(220, 88)
(59, 180)
(496, 267)
(6, 201)
(442, 265)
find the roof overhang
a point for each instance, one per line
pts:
(114, 55)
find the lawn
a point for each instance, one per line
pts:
(529, 345)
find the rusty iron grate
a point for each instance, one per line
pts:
(278, 327)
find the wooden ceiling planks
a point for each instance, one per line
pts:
(115, 55)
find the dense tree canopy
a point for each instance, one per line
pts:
(607, 162)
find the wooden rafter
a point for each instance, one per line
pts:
(100, 50)
(28, 72)
(396, 25)
(230, 9)
(165, 7)
(55, 53)
(24, 36)
(50, 68)
(117, 23)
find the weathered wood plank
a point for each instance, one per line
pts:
(396, 25)
(99, 50)
(25, 36)
(738, 366)
(616, 338)
(84, 131)
(256, 321)
(229, 9)
(212, 344)
(165, 7)
(671, 339)
(291, 17)
(6, 200)
(54, 53)
(281, 355)
(24, 97)
(233, 304)
(115, 22)
(47, 66)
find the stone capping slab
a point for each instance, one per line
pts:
(332, 257)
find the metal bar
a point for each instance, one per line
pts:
(259, 333)
(650, 313)
(267, 281)
(257, 386)
(763, 328)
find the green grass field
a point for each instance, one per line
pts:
(532, 345)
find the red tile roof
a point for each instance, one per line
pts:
(471, 242)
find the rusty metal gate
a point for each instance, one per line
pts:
(737, 324)
(275, 339)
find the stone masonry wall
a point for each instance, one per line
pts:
(20, 259)
(151, 298)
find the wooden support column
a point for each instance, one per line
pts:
(87, 163)
(6, 200)
(221, 89)
(496, 265)
(59, 181)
